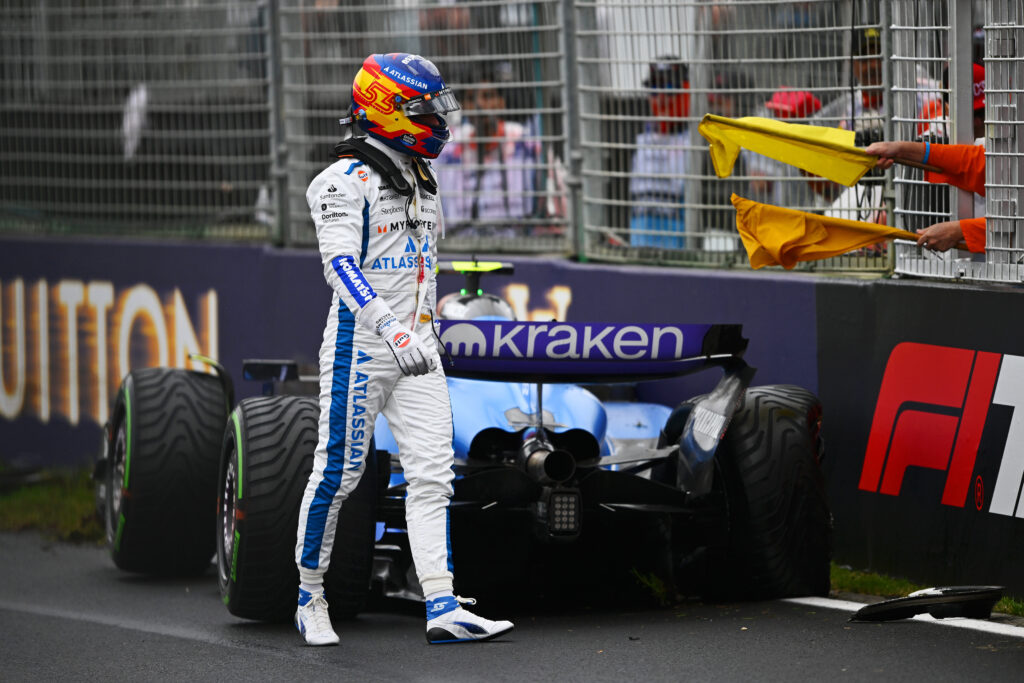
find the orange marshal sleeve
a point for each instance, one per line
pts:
(974, 234)
(962, 166)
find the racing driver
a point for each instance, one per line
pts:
(377, 216)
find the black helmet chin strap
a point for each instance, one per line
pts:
(424, 176)
(382, 163)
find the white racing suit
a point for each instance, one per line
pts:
(377, 242)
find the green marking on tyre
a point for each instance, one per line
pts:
(120, 530)
(205, 360)
(127, 433)
(234, 555)
(238, 448)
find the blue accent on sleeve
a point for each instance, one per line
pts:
(316, 519)
(353, 278)
(353, 167)
(366, 232)
(927, 151)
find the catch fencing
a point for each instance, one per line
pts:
(649, 190)
(502, 184)
(578, 135)
(141, 119)
(937, 95)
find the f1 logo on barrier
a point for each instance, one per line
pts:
(931, 412)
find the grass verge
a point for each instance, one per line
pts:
(848, 580)
(57, 503)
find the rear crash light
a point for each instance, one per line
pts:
(564, 512)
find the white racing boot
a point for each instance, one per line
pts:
(447, 622)
(313, 620)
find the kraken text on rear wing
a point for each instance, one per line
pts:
(584, 352)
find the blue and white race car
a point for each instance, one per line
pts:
(559, 477)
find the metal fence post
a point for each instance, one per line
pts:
(293, 116)
(278, 147)
(1004, 151)
(888, 191)
(572, 126)
(962, 98)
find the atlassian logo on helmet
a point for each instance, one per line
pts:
(409, 80)
(584, 341)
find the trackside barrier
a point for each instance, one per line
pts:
(924, 467)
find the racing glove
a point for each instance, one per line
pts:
(409, 352)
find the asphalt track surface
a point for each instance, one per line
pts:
(67, 614)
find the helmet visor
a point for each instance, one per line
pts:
(440, 102)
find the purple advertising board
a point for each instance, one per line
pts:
(79, 313)
(920, 381)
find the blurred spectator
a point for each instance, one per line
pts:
(449, 39)
(717, 19)
(657, 175)
(860, 110)
(978, 98)
(492, 171)
(793, 104)
(934, 112)
(775, 182)
(978, 44)
(732, 94)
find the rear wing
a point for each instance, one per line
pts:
(553, 352)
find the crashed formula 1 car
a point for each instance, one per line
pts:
(558, 473)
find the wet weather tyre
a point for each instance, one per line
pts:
(780, 526)
(267, 456)
(162, 471)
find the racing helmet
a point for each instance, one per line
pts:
(401, 99)
(459, 306)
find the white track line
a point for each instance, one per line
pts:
(193, 634)
(993, 627)
(117, 622)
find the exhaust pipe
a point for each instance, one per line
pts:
(545, 463)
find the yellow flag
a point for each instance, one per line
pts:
(774, 236)
(826, 152)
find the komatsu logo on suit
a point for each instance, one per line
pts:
(586, 341)
(348, 271)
